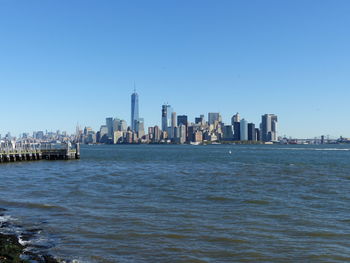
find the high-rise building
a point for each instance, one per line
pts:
(268, 127)
(103, 134)
(198, 136)
(244, 130)
(166, 117)
(123, 126)
(257, 134)
(156, 134)
(116, 125)
(251, 132)
(173, 125)
(182, 119)
(228, 133)
(200, 120)
(118, 137)
(182, 133)
(140, 127)
(213, 117)
(237, 131)
(190, 133)
(134, 110)
(235, 118)
(109, 124)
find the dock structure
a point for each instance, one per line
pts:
(40, 151)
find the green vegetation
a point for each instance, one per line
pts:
(10, 250)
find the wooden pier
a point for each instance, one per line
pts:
(45, 151)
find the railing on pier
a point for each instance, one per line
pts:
(19, 151)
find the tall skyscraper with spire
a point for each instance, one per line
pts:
(134, 110)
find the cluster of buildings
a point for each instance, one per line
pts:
(39, 136)
(174, 128)
(178, 129)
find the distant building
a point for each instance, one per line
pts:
(244, 130)
(182, 133)
(228, 133)
(129, 137)
(182, 119)
(269, 127)
(104, 134)
(214, 117)
(123, 126)
(190, 133)
(156, 134)
(116, 125)
(257, 134)
(198, 136)
(140, 127)
(118, 137)
(109, 124)
(237, 131)
(166, 116)
(87, 130)
(39, 135)
(235, 118)
(173, 125)
(251, 132)
(200, 120)
(134, 110)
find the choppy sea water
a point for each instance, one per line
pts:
(159, 203)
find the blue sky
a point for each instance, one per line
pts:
(63, 62)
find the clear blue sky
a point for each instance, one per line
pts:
(63, 62)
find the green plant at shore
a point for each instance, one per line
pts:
(10, 250)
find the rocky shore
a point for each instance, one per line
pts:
(12, 251)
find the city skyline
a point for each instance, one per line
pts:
(168, 121)
(287, 58)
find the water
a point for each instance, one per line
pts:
(149, 203)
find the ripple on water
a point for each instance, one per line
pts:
(188, 204)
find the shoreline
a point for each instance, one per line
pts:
(12, 251)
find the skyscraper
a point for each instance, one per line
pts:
(268, 127)
(228, 133)
(166, 117)
(116, 124)
(244, 130)
(200, 120)
(237, 131)
(182, 133)
(235, 118)
(134, 110)
(173, 124)
(123, 126)
(251, 132)
(140, 127)
(109, 124)
(156, 134)
(182, 119)
(213, 117)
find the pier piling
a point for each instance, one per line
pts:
(30, 152)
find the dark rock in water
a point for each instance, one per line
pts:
(2, 210)
(11, 251)
(4, 224)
